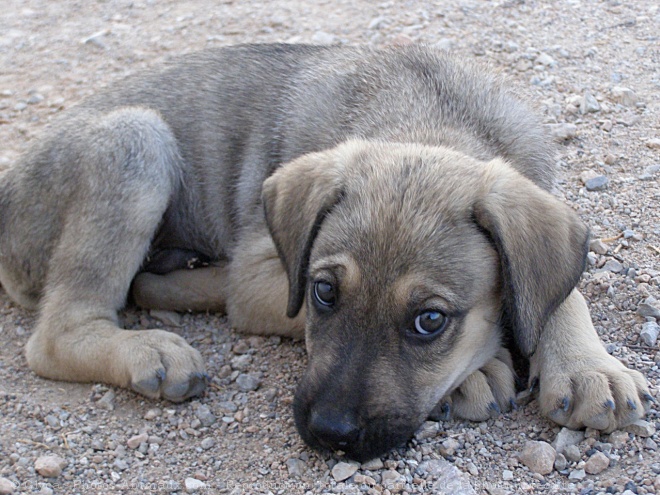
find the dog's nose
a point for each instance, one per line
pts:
(335, 429)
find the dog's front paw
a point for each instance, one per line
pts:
(485, 393)
(162, 364)
(595, 391)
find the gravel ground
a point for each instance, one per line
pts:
(591, 67)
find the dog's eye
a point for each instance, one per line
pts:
(324, 292)
(430, 322)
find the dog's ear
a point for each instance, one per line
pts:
(542, 246)
(296, 199)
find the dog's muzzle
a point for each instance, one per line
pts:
(334, 429)
(333, 426)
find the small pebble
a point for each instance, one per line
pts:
(599, 183)
(567, 437)
(641, 428)
(572, 453)
(597, 463)
(152, 414)
(589, 104)
(207, 443)
(560, 462)
(247, 382)
(649, 309)
(545, 59)
(6, 487)
(344, 470)
(507, 475)
(599, 247)
(577, 474)
(134, 442)
(539, 457)
(623, 96)
(618, 438)
(649, 333)
(297, 467)
(50, 466)
(563, 132)
(613, 266)
(107, 401)
(205, 415)
(323, 38)
(391, 480)
(241, 347)
(372, 465)
(193, 485)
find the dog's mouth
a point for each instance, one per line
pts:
(324, 427)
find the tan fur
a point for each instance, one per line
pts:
(201, 289)
(258, 289)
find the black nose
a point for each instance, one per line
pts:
(334, 429)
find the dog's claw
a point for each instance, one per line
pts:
(445, 411)
(649, 398)
(494, 409)
(565, 404)
(441, 412)
(631, 404)
(197, 384)
(534, 386)
(512, 403)
(150, 386)
(177, 392)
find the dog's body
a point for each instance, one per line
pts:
(407, 232)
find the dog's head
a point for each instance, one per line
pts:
(410, 260)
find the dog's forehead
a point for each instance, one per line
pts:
(404, 245)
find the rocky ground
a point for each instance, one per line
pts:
(591, 67)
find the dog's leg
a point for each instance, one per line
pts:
(580, 384)
(126, 171)
(259, 287)
(252, 289)
(199, 289)
(485, 393)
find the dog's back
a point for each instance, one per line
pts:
(238, 113)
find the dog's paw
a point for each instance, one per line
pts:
(485, 393)
(162, 364)
(595, 391)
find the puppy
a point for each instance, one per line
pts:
(391, 206)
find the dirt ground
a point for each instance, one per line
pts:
(591, 67)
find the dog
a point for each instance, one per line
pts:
(390, 206)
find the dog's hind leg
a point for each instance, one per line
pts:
(258, 288)
(252, 289)
(127, 170)
(198, 289)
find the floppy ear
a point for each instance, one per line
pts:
(296, 199)
(542, 246)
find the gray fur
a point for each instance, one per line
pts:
(237, 114)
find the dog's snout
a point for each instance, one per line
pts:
(333, 428)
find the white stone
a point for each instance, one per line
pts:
(50, 466)
(344, 470)
(193, 485)
(539, 457)
(597, 463)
